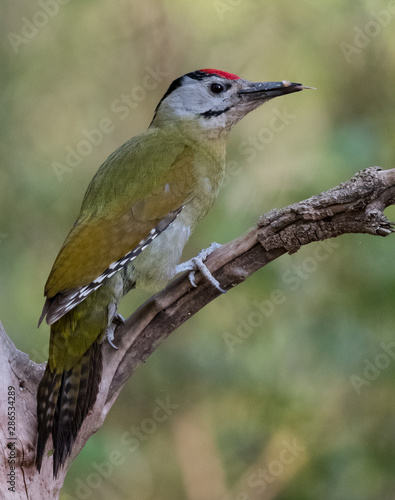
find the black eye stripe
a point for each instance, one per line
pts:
(214, 112)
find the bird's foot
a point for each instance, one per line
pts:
(110, 335)
(116, 321)
(197, 264)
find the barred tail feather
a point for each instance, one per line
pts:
(63, 402)
(47, 395)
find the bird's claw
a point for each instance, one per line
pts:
(110, 335)
(197, 264)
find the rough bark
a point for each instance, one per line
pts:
(355, 206)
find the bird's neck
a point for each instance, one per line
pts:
(192, 132)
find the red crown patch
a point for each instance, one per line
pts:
(223, 74)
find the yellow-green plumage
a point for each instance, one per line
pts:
(69, 387)
(137, 214)
(129, 196)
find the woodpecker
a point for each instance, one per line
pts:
(136, 217)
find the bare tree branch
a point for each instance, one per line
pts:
(355, 206)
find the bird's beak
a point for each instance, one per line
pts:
(268, 90)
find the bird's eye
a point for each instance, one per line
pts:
(217, 88)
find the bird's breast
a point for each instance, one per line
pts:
(155, 266)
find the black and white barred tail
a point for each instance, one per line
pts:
(64, 400)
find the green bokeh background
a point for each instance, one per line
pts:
(297, 379)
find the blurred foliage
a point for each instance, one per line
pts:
(282, 413)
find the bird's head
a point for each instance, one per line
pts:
(214, 100)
